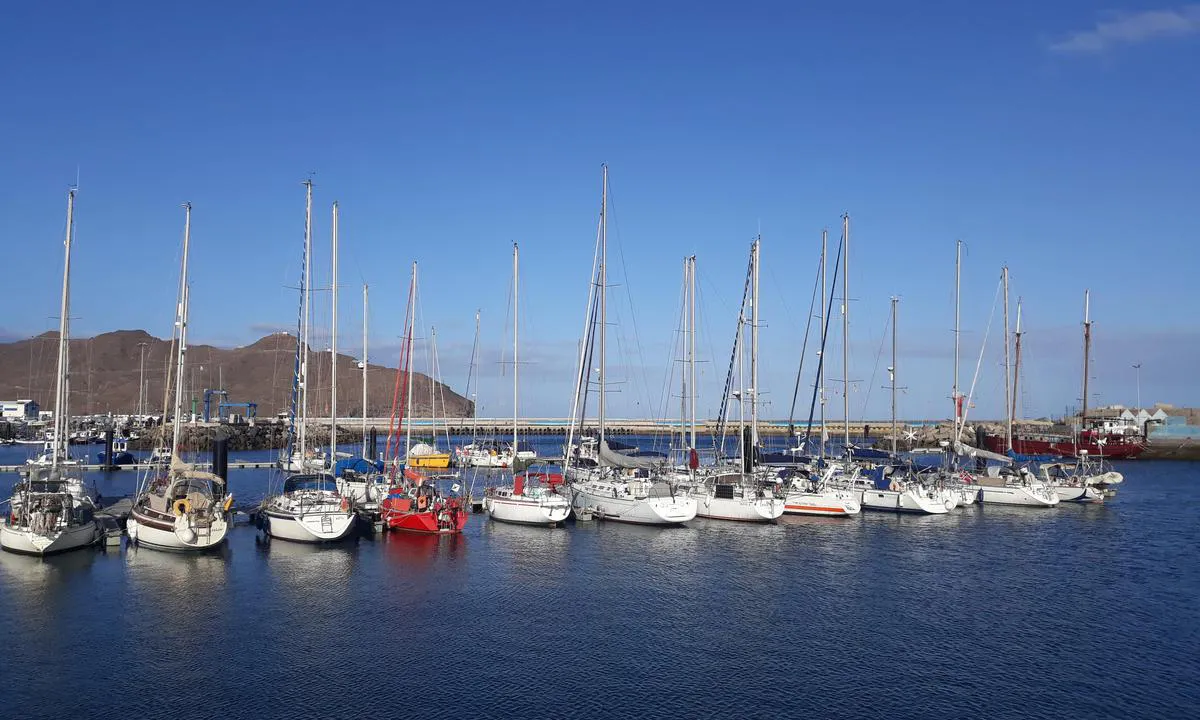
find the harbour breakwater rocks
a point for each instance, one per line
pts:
(260, 436)
(1171, 449)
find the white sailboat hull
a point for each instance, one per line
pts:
(364, 494)
(1018, 495)
(315, 527)
(30, 543)
(911, 500)
(182, 537)
(831, 503)
(1078, 493)
(528, 511)
(599, 498)
(739, 509)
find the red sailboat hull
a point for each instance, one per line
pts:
(400, 515)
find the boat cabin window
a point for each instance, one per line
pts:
(308, 482)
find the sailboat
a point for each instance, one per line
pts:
(529, 500)
(414, 502)
(1084, 440)
(310, 508)
(1004, 486)
(486, 452)
(425, 453)
(618, 487)
(360, 479)
(911, 493)
(816, 492)
(741, 494)
(1078, 482)
(180, 507)
(51, 511)
(297, 456)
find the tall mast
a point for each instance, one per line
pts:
(957, 289)
(741, 391)
(515, 366)
(433, 380)
(846, 328)
(472, 373)
(333, 347)
(1016, 361)
(1087, 350)
(412, 327)
(692, 345)
(754, 250)
(603, 293)
(62, 420)
(892, 372)
(1007, 370)
(683, 382)
(182, 319)
(305, 297)
(364, 373)
(821, 359)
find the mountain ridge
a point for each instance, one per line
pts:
(105, 370)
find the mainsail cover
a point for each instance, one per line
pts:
(974, 452)
(611, 458)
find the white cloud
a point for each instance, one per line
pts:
(1131, 29)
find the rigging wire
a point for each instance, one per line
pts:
(804, 349)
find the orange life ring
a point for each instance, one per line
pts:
(345, 504)
(422, 502)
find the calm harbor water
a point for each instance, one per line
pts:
(1071, 612)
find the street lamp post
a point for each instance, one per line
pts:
(141, 409)
(1137, 374)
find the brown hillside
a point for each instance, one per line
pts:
(104, 376)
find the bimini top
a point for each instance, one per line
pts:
(321, 481)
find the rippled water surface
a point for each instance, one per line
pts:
(1072, 612)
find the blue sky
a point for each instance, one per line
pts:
(1057, 138)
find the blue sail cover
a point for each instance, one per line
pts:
(362, 466)
(871, 454)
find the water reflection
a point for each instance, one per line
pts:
(418, 552)
(32, 581)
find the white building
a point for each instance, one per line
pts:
(18, 409)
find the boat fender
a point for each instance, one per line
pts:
(182, 506)
(228, 503)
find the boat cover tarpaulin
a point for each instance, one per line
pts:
(973, 452)
(611, 458)
(362, 466)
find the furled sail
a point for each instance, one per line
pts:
(974, 452)
(611, 458)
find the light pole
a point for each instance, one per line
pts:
(1137, 374)
(141, 408)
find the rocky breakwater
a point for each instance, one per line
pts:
(244, 436)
